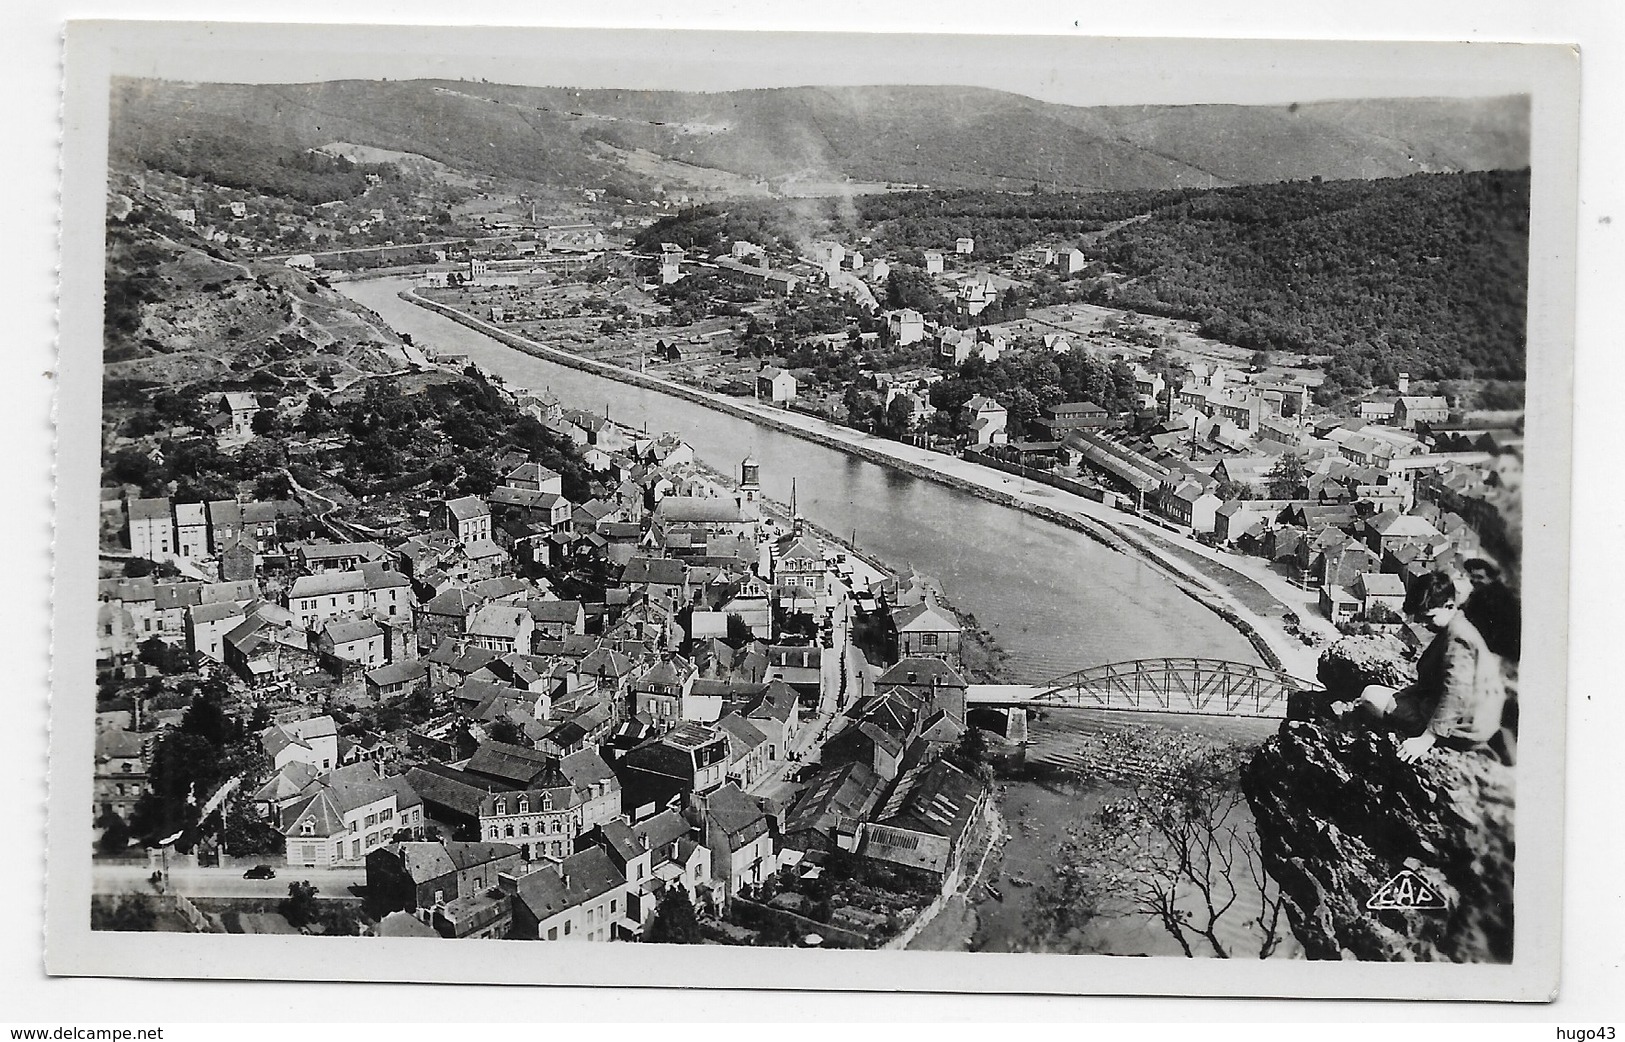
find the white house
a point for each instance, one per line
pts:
(986, 419)
(906, 327)
(775, 385)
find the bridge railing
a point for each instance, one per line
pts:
(1177, 685)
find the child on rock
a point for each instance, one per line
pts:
(1457, 697)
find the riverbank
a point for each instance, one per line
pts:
(1268, 637)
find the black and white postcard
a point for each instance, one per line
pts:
(937, 513)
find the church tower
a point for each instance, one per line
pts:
(750, 480)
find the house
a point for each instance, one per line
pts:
(965, 245)
(1342, 560)
(986, 420)
(1389, 530)
(316, 598)
(800, 666)
(356, 640)
(932, 683)
(905, 327)
(347, 814)
(445, 616)
(554, 619)
(152, 533)
(120, 772)
(1192, 505)
(467, 518)
(877, 743)
(775, 385)
(1410, 411)
(927, 630)
(269, 643)
(313, 741)
(569, 796)
(747, 749)
(656, 853)
(543, 821)
(1063, 418)
(740, 836)
(208, 624)
(502, 628)
(933, 262)
(320, 557)
(583, 898)
(660, 580)
(799, 572)
(1338, 604)
(663, 691)
(190, 530)
(692, 757)
(777, 714)
(829, 812)
(238, 407)
(671, 263)
(1383, 589)
(977, 294)
(413, 876)
(240, 559)
(397, 679)
(1070, 261)
(924, 819)
(536, 478)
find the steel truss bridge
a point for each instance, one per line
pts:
(1212, 687)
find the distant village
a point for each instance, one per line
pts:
(1353, 501)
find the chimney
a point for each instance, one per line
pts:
(564, 877)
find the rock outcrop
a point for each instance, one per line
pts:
(1339, 817)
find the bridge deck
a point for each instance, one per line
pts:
(1170, 685)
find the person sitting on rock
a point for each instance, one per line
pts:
(1458, 694)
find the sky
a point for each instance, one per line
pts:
(1063, 69)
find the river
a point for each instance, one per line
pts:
(1056, 600)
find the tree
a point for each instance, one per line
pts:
(506, 731)
(1288, 478)
(971, 754)
(115, 834)
(164, 657)
(895, 421)
(207, 720)
(130, 913)
(674, 919)
(739, 632)
(300, 907)
(1178, 847)
(265, 422)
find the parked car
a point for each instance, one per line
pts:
(260, 872)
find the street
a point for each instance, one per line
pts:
(224, 882)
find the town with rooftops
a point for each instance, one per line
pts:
(507, 582)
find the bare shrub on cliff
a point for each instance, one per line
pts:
(1177, 846)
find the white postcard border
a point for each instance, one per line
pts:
(97, 51)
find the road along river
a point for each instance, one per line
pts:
(1055, 599)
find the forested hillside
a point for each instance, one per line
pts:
(1426, 273)
(942, 136)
